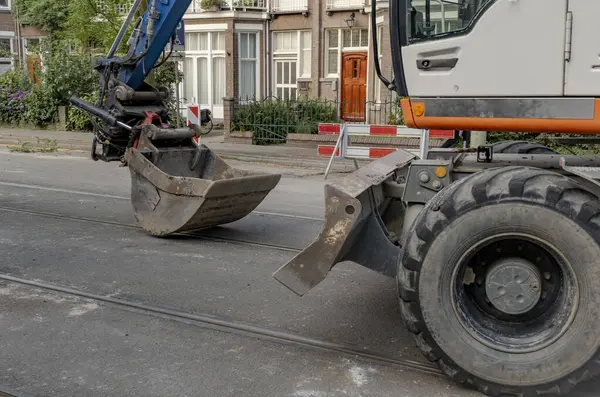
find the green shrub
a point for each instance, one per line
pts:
(272, 120)
(15, 79)
(396, 116)
(41, 108)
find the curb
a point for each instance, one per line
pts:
(344, 166)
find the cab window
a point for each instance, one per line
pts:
(431, 19)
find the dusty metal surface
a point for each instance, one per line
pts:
(183, 187)
(352, 229)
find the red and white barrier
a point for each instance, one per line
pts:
(358, 152)
(342, 150)
(193, 114)
(383, 130)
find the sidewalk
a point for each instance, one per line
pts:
(267, 155)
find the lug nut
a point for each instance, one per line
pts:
(547, 275)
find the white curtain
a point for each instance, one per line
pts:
(218, 80)
(203, 80)
(247, 80)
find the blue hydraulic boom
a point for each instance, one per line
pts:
(126, 101)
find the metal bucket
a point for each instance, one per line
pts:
(361, 225)
(183, 187)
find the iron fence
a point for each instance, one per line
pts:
(271, 120)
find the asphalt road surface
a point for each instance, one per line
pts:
(92, 306)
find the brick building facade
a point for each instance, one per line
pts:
(282, 49)
(15, 38)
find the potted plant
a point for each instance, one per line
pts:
(211, 5)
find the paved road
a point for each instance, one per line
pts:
(207, 291)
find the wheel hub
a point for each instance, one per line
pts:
(513, 285)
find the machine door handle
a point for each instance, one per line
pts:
(439, 63)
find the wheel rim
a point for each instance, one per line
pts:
(514, 293)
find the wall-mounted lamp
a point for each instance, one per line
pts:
(350, 21)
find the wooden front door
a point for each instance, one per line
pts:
(354, 86)
(34, 67)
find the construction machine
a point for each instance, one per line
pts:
(496, 253)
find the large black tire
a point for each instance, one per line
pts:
(541, 204)
(521, 147)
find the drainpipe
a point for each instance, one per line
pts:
(267, 56)
(18, 31)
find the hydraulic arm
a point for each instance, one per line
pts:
(126, 100)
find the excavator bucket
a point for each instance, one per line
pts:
(361, 212)
(178, 186)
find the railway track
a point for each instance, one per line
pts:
(9, 392)
(198, 235)
(232, 326)
(115, 197)
(200, 319)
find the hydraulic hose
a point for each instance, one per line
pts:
(390, 85)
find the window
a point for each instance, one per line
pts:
(204, 68)
(285, 79)
(291, 60)
(5, 54)
(332, 58)
(4, 4)
(5, 47)
(248, 65)
(356, 38)
(338, 40)
(444, 17)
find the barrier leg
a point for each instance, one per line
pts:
(338, 144)
(424, 145)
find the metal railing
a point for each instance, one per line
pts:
(121, 9)
(345, 4)
(260, 5)
(289, 5)
(271, 120)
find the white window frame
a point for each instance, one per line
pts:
(8, 7)
(290, 86)
(209, 54)
(256, 59)
(340, 49)
(296, 55)
(379, 56)
(10, 37)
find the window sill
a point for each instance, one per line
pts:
(332, 9)
(290, 12)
